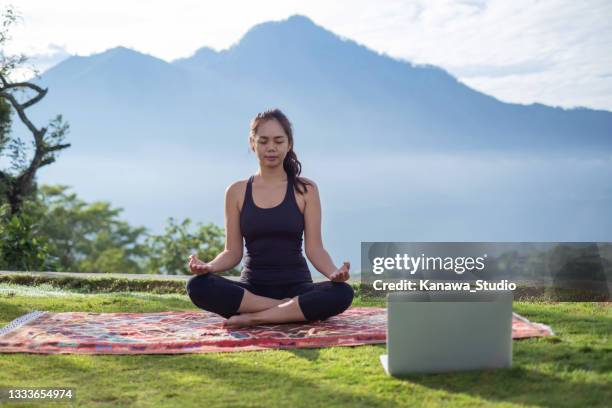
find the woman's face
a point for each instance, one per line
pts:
(271, 143)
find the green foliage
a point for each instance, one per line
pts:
(9, 16)
(170, 250)
(99, 284)
(88, 237)
(60, 232)
(22, 247)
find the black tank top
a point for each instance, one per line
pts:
(273, 238)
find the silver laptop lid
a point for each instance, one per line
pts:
(442, 331)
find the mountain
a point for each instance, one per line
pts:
(338, 94)
(401, 152)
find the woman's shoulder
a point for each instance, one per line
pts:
(307, 180)
(237, 187)
(311, 186)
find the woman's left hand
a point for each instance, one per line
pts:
(341, 274)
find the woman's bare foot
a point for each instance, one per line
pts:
(241, 320)
(248, 319)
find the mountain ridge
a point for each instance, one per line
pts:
(317, 77)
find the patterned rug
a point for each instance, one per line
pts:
(197, 332)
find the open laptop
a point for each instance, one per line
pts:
(432, 332)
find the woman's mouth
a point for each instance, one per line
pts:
(271, 157)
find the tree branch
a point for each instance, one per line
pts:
(21, 185)
(57, 147)
(21, 113)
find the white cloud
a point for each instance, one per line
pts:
(554, 52)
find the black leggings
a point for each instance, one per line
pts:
(223, 296)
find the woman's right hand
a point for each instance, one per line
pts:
(197, 266)
(341, 274)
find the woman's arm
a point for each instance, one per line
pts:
(313, 243)
(232, 254)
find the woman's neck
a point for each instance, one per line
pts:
(272, 175)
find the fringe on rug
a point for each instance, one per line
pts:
(542, 326)
(20, 321)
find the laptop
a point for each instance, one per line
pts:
(434, 332)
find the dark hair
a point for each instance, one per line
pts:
(291, 164)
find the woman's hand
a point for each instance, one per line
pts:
(198, 267)
(341, 274)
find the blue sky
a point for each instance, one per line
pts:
(555, 52)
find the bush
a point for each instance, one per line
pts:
(22, 247)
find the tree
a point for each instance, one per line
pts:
(5, 129)
(16, 187)
(88, 237)
(50, 228)
(169, 251)
(22, 247)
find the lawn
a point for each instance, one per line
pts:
(570, 369)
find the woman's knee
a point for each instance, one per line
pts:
(345, 295)
(199, 288)
(330, 300)
(215, 294)
(197, 284)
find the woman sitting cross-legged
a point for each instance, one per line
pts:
(271, 210)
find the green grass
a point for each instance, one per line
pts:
(570, 369)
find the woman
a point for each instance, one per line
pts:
(271, 210)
